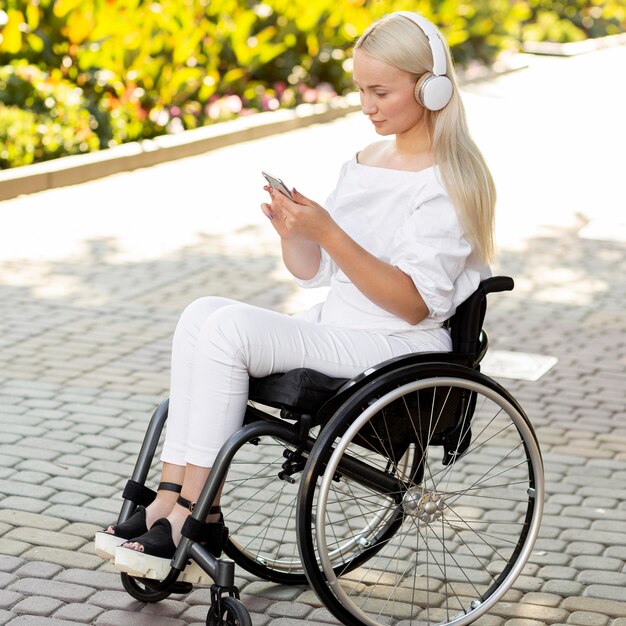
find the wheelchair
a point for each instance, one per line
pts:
(411, 494)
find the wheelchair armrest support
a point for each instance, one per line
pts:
(497, 283)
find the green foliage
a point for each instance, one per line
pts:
(564, 21)
(41, 117)
(132, 69)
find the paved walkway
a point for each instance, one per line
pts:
(93, 277)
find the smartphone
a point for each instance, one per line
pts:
(276, 183)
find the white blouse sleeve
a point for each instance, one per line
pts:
(324, 273)
(432, 249)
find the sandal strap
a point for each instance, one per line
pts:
(164, 486)
(190, 506)
(142, 495)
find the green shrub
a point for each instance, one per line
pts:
(42, 117)
(148, 67)
(563, 21)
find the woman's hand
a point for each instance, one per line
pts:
(297, 217)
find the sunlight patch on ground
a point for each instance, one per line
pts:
(516, 365)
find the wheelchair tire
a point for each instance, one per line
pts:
(140, 589)
(233, 613)
(259, 510)
(465, 529)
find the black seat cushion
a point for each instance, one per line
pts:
(297, 390)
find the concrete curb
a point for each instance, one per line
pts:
(80, 168)
(552, 48)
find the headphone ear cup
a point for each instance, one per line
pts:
(433, 92)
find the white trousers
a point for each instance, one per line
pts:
(219, 343)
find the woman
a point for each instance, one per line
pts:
(404, 238)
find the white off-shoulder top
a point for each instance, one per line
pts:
(407, 219)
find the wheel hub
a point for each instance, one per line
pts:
(427, 506)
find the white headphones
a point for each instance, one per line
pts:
(433, 89)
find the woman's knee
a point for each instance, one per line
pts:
(234, 327)
(197, 312)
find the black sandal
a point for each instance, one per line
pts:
(159, 548)
(135, 525)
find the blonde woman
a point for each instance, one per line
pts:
(404, 238)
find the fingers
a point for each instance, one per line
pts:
(267, 210)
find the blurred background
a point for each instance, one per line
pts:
(78, 76)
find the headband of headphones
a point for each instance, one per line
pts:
(434, 89)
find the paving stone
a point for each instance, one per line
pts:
(97, 580)
(17, 453)
(79, 514)
(115, 600)
(31, 620)
(125, 618)
(31, 520)
(530, 612)
(18, 488)
(167, 608)
(195, 613)
(37, 605)
(82, 613)
(12, 548)
(6, 617)
(272, 591)
(38, 569)
(595, 605)
(9, 598)
(10, 563)
(296, 610)
(62, 483)
(67, 592)
(28, 505)
(6, 578)
(323, 615)
(69, 498)
(66, 558)
(86, 531)
(40, 537)
(586, 618)
(608, 592)
(584, 548)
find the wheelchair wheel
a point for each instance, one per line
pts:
(464, 518)
(140, 589)
(259, 509)
(233, 613)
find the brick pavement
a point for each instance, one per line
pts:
(92, 279)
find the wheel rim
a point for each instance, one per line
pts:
(260, 512)
(467, 528)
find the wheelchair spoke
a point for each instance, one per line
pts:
(259, 509)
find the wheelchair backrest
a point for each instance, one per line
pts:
(467, 322)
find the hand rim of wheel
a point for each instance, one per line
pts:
(535, 456)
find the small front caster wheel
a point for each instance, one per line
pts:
(231, 613)
(139, 589)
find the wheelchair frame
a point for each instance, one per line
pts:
(363, 399)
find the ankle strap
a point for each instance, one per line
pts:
(190, 506)
(169, 487)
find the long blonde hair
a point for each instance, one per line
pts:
(397, 41)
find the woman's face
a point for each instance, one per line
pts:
(387, 95)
